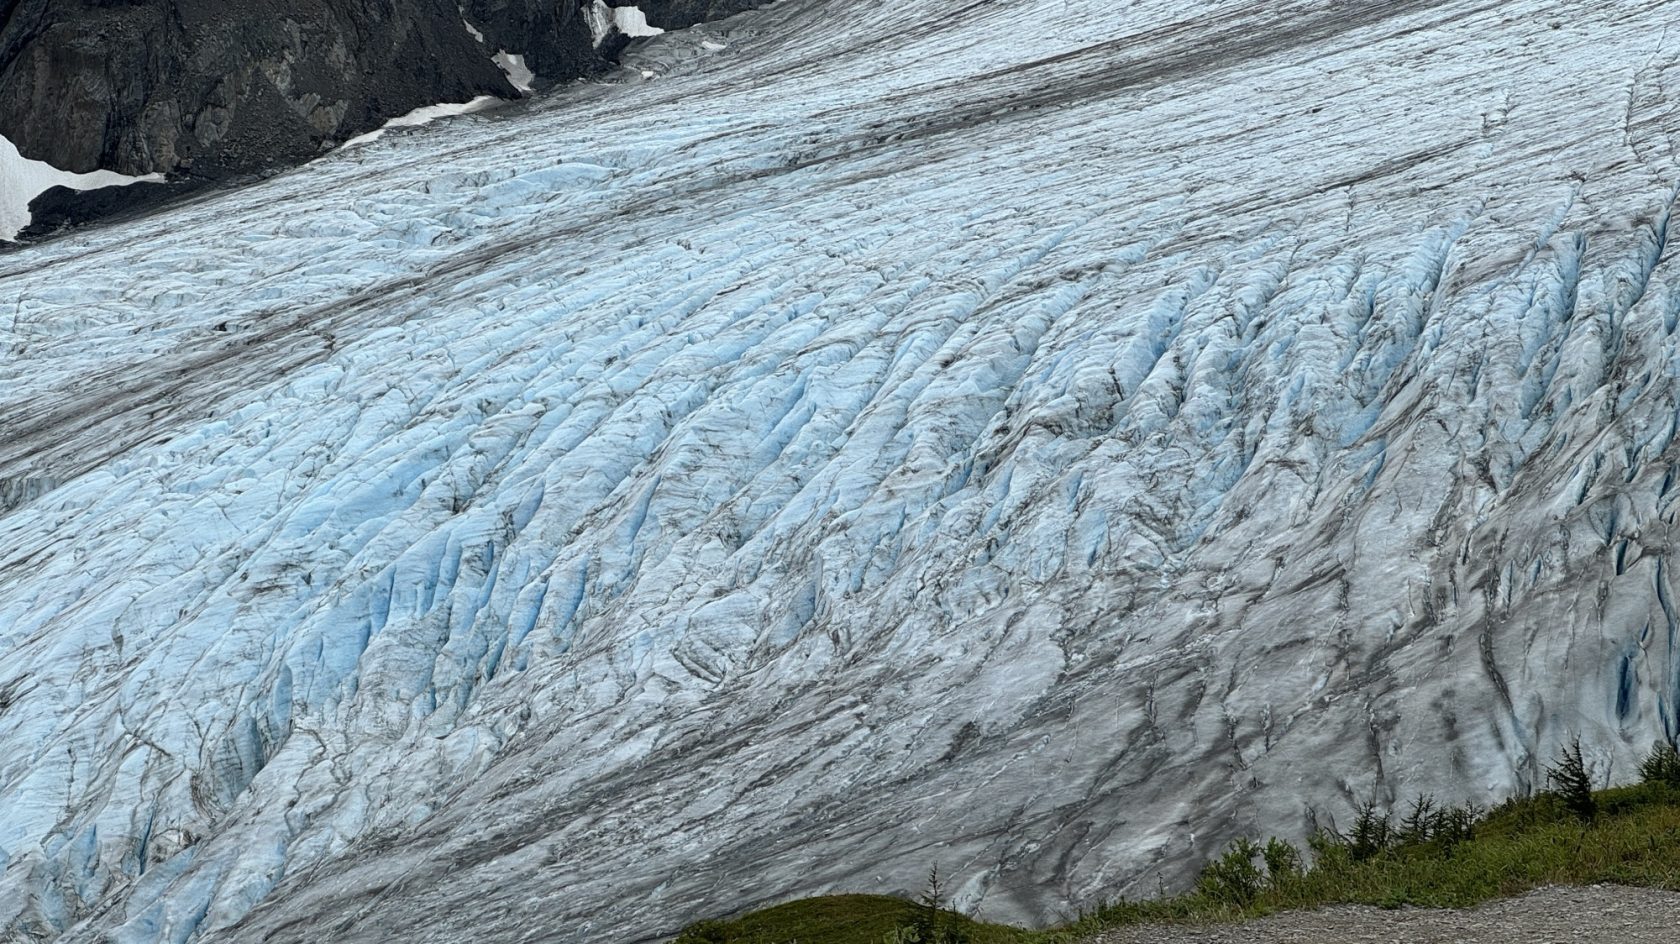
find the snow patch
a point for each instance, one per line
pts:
(22, 180)
(516, 70)
(425, 116)
(604, 21)
(631, 21)
(473, 30)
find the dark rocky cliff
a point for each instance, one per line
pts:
(207, 89)
(679, 14)
(550, 34)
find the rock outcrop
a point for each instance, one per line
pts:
(681, 14)
(62, 208)
(552, 36)
(208, 89)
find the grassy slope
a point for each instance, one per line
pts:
(1635, 840)
(838, 919)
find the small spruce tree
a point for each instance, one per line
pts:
(1457, 824)
(933, 923)
(1571, 779)
(1421, 823)
(1372, 833)
(926, 919)
(1661, 766)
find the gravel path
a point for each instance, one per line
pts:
(1602, 913)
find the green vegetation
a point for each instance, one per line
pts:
(844, 919)
(1424, 855)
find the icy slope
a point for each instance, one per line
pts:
(1020, 437)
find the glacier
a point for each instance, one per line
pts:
(1041, 439)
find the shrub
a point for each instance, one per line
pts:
(1283, 861)
(1329, 850)
(1233, 878)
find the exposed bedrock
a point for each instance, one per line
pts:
(62, 208)
(211, 89)
(680, 14)
(551, 34)
(207, 89)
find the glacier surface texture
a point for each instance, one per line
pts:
(1042, 439)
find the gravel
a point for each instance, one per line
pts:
(1601, 913)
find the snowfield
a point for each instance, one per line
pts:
(1028, 438)
(22, 180)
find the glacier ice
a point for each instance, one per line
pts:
(1042, 439)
